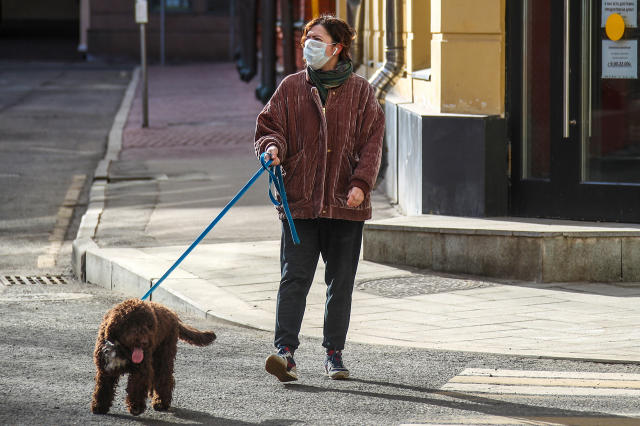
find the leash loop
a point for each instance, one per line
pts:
(277, 180)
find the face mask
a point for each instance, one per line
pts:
(314, 53)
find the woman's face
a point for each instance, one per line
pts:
(318, 32)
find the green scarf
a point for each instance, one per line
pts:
(325, 80)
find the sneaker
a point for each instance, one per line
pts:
(334, 367)
(282, 365)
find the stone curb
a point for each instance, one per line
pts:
(91, 218)
(127, 276)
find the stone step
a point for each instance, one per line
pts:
(539, 250)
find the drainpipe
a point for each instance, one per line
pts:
(387, 75)
(246, 54)
(268, 48)
(355, 18)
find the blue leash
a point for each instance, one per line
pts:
(279, 184)
(276, 179)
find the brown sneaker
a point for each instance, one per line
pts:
(282, 365)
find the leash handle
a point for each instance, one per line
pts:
(277, 180)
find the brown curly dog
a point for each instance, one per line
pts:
(140, 338)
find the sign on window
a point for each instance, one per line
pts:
(628, 9)
(620, 59)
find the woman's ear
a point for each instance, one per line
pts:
(338, 49)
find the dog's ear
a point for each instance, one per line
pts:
(115, 320)
(111, 330)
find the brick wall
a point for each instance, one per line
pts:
(196, 35)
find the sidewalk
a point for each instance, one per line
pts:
(168, 182)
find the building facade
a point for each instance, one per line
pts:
(194, 30)
(509, 108)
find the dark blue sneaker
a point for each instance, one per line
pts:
(282, 365)
(334, 367)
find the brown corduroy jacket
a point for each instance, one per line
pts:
(325, 151)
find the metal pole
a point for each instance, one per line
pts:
(162, 32)
(145, 82)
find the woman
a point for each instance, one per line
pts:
(325, 126)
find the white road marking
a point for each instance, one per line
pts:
(567, 383)
(545, 381)
(63, 218)
(490, 372)
(40, 297)
(608, 419)
(539, 390)
(64, 151)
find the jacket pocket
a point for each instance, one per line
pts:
(295, 178)
(343, 179)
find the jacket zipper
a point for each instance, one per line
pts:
(324, 129)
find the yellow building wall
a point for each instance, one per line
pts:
(468, 56)
(462, 42)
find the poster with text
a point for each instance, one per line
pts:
(628, 9)
(620, 59)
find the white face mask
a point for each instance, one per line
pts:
(314, 53)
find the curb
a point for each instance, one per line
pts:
(133, 272)
(91, 218)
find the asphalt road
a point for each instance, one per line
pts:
(54, 122)
(48, 332)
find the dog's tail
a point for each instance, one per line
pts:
(195, 336)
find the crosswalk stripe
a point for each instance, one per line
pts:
(539, 390)
(523, 382)
(548, 374)
(621, 419)
(544, 381)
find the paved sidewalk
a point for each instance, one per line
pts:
(171, 180)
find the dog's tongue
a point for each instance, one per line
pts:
(137, 355)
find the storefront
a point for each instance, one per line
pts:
(573, 103)
(526, 108)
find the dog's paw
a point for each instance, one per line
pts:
(136, 410)
(161, 406)
(99, 409)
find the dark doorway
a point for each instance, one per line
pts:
(39, 30)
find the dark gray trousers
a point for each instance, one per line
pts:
(338, 241)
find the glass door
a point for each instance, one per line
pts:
(611, 89)
(574, 109)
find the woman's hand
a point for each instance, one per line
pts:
(355, 197)
(273, 152)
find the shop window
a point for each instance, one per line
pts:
(171, 5)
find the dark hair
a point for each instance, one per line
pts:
(339, 30)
